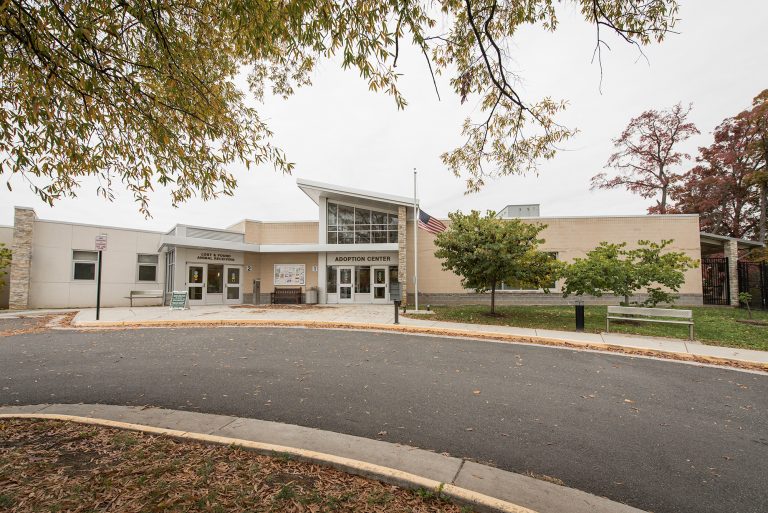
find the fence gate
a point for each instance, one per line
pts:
(753, 278)
(714, 276)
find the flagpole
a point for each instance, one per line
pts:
(415, 243)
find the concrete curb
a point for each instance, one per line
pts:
(425, 330)
(465, 481)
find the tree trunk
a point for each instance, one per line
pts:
(763, 206)
(493, 298)
(764, 195)
(663, 202)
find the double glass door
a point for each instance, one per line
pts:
(362, 284)
(211, 284)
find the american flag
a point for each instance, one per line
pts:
(430, 224)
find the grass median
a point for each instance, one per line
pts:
(722, 326)
(65, 466)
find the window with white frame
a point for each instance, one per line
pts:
(84, 265)
(147, 267)
(170, 267)
(355, 225)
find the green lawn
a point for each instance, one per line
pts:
(713, 325)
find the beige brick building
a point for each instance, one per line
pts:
(361, 243)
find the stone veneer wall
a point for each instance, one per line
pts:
(21, 254)
(402, 274)
(732, 252)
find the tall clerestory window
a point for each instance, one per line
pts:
(355, 225)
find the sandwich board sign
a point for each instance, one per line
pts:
(179, 300)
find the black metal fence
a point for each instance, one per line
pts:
(753, 278)
(714, 275)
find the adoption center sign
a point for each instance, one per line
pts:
(362, 258)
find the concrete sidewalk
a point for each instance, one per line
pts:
(360, 316)
(488, 488)
(669, 345)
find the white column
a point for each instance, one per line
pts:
(415, 245)
(322, 278)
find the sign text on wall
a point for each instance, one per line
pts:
(215, 257)
(380, 258)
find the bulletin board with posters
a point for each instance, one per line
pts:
(290, 274)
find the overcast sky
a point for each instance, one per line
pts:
(337, 131)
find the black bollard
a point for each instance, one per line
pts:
(579, 316)
(397, 312)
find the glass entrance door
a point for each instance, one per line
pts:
(214, 290)
(233, 289)
(346, 284)
(195, 282)
(379, 284)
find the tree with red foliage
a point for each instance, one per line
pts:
(647, 154)
(721, 188)
(757, 118)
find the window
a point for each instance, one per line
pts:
(354, 225)
(362, 280)
(331, 286)
(215, 279)
(170, 267)
(84, 265)
(147, 265)
(393, 277)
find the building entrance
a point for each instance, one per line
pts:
(214, 284)
(360, 284)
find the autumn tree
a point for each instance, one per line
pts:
(144, 91)
(721, 188)
(647, 155)
(757, 120)
(486, 251)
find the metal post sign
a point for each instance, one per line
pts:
(101, 245)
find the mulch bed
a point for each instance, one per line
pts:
(65, 466)
(24, 324)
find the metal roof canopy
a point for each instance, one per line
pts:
(317, 190)
(713, 239)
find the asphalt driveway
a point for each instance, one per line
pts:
(661, 436)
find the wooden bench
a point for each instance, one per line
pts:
(639, 314)
(286, 296)
(144, 294)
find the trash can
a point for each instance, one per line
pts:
(311, 296)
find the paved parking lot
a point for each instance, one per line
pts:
(659, 435)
